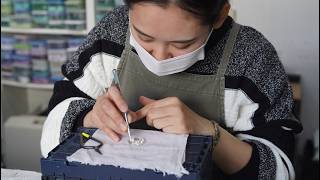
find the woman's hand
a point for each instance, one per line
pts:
(173, 116)
(107, 114)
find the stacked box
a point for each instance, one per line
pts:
(119, 2)
(22, 14)
(35, 60)
(73, 45)
(75, 14)
(7, 52)
(57, 55)
(103, 6)
(61, 14)
(22, 59)
(6, 12)
(39, 13)
(56, 13)
(40, 66)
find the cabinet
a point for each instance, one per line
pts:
(27, 99)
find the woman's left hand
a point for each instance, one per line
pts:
(173, 116)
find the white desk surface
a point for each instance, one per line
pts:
(15, 174)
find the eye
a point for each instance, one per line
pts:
(182, 46)
(145, 38)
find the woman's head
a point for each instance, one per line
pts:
(206, 10)
(169, 28)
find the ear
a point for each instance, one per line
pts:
(224, 12)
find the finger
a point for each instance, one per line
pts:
(107, 121)
(161, 112)
(172, 130)
(110, 133)
(163, 105)
(149, 121)
(145, 100)
(115, 127)
(175, 129)
(142, 113)
(114, 136)
(120, 128)
(161, 123)
(132, 117)
(109, 109)
(136, 116)
(117, 98)
(158, 113)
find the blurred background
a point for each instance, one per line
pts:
(38, 36)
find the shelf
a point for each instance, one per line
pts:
(27, 85)
(43, 31)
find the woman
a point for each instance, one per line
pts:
(186, 68)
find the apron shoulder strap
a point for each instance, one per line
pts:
(127, 44)
(228, 48)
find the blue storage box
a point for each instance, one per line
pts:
(75, 42)
(198, 162)
(55, 1)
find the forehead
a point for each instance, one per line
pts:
(156, 20)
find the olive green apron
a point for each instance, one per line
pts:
(204, 94)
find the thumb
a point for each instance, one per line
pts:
(141, 113)
(145, 101)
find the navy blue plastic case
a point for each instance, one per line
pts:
(198, 162)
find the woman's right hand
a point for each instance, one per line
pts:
(107, 114)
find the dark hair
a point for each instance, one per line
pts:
(206, 10)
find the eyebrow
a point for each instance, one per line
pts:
(180, 42)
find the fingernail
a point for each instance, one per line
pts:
(129, 118)
(124, 108)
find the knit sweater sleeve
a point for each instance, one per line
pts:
(258, 105)
(87, 75)
(263, 164)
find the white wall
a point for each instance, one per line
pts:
(292, 26)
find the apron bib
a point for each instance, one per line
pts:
(204, 94)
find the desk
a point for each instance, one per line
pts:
(16, 174)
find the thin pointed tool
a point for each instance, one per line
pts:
(125, 114)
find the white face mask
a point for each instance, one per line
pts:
(168, 66)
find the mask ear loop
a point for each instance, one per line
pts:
(209, 35)
(129, 25)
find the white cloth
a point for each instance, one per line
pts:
(17, 174)
(161, 152)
